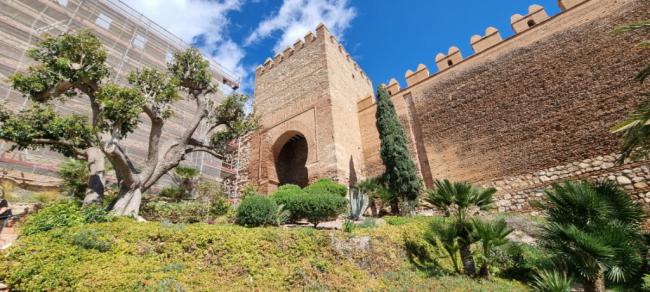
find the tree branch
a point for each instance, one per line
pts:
(76, 150)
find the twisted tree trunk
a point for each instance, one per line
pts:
(96, 181)
(128, 202)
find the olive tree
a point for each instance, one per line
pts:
(73, 65)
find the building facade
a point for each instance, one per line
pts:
(132, 42)
(518, 114)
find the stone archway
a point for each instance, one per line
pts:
(291, 154)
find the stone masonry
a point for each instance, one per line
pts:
(519, 114)
(307, 98)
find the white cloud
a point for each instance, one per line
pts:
(297, 17)
(208, 19)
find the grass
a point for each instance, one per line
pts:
(126, 255)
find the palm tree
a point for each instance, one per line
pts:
(491, 234)
(594, 230)
(460, 200)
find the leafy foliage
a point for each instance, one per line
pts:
(150, 256)
(401, 175)
(176, 212)
(326, 185)
(594, 229)
(75, 178)
(90, 239)
(41, 126)
(257, 211)
(459, 201)
(321, 203)
(491, 235)
(60, 215)
(552, 281)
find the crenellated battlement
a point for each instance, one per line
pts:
(480, 43)
(322, 34)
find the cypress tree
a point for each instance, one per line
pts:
(401, 176)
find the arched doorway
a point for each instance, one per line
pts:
(290, 161)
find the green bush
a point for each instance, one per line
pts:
(173, 192)
(257, 211)
(90, 239)
(316, 208)
(219, 207)
(319, 204)
(176, 212)
(63, 214)
(326, 185)
(75, 178)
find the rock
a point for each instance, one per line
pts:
(638, 179)
(607, 165)
(597, 163)
(627, 171)
(623, 180)
(583, 165)
(640, 185)
(544, 178)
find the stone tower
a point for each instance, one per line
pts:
(307, 97)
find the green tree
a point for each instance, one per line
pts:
(401, 175)
(593, 229)
(460, 200)
(636, 128)
(73, 65)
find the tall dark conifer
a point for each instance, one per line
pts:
(401, 175)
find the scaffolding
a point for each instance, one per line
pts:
(131, 40)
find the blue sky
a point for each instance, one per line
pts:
(385, 37)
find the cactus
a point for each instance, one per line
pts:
(358, 203)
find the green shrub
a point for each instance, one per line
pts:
(397, 220)
(368, 223)
(519, 261)
(219, 207)
(173, 192)
(90, 239)
(63, 214)
(75, 178)
(316, 204)
(318, 208)
(176, 212)
(257, 211)
(326, 185)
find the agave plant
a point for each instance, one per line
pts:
(594, 230)
(552, 281)
(458, 200)
(491, 234)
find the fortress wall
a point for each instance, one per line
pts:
(536, 108)
(348, 85)
(291, 94)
